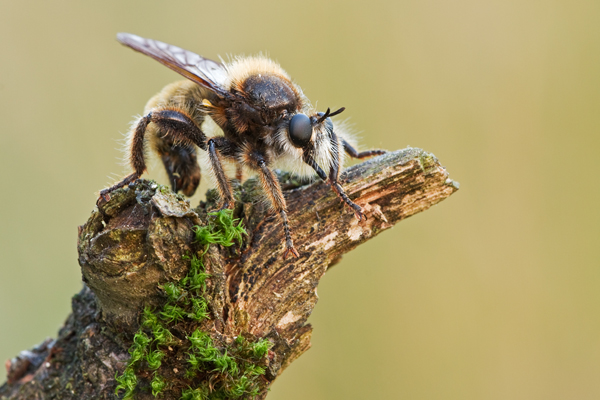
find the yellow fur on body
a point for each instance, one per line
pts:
(187, 97)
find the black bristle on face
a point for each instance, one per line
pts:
(328, 113)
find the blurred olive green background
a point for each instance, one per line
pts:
(492, 294)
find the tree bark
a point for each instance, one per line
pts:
(135, 243)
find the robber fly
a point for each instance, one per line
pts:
(265, 118)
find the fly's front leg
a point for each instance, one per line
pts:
(352, 152)
(334, 173)
(216, 146)
(308, 158)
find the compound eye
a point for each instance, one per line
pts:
(300, 130)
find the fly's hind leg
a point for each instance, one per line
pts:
(136, 158)
(179, 129)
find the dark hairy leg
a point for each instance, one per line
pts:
(333, 179)
(179, 128)
(273, 191)
(215, 146)
(352, 152)
(334, 173)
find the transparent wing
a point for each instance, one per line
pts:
(208, 73)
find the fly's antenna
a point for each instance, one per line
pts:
(328, 114)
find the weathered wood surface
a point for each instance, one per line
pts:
(135, 243)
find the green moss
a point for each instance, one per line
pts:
(199, 309)
(172, 313)
(127, 382)
(154, 359)
(232, 369)
(139, 348)
(172, 291)
(158, 384)
(221, 229)
(200, 393)
(196, 277)
(260, 348)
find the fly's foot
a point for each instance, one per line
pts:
(290, 249)
(359, 215)
(104, 197)
(105, 193)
